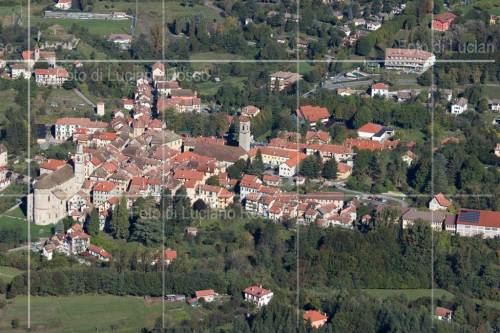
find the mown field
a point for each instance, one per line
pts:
(12, 221)
(89, 313)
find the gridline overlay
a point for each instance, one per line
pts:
(297, 62)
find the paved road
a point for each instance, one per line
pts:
(365, 196)
(85, 99)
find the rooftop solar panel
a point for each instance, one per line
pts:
(470, 217)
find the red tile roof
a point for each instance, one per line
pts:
(443, 312)
(170, 254)
(486, 218)
(313, 316)
(313, 113)
(442, 201)
(380, 85)
(100, 251)
(257, 291)
(52, 164)
(58, 71)
(370, 128)
(445, 17)
(205, 293)
(104, 186)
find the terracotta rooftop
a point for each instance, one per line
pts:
(313, 113)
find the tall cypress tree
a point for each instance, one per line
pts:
(120, 220)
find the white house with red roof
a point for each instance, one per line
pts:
(208, 295)
(290, 167)
(439, 202)
(380, 89)
(444, 314)
(99, 253)
(258, 295)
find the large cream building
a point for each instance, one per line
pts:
(53, 190)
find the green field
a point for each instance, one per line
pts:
(8, 273)
(97, 27)
(173, 9)
(37, 231)
(410, 294)
(85, 313)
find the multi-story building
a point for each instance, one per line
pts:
(471, 222)
(51, 76)
(66, 127)
(258, 295)
(409, 60)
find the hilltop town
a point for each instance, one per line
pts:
(249, 166)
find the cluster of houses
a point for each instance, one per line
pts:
(466, 222)
(170, 95)
(73, 242)
(50, 76)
